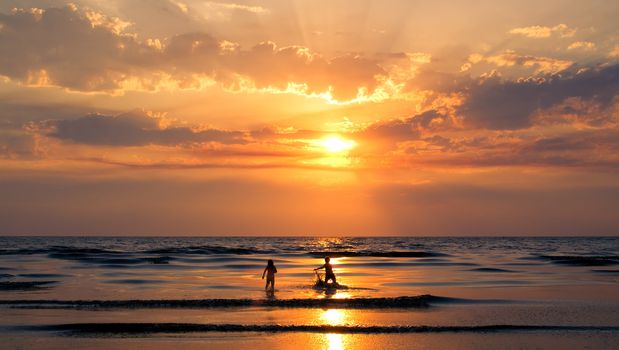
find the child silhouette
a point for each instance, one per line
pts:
(329, 275)
(270, 271)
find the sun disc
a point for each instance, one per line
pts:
(335, 144)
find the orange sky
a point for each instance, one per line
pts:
(185, 117)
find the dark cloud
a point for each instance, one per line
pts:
(18, 113)
(598, 143)
(493, 102)
(496, 103)
(445, 144)
(594, 149)
(398, 130)
(133, 129)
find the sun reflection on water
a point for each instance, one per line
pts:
(334, 317)
(334, 342)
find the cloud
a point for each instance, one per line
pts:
(582, 45)
(540, 32)
(545, 65)
(180, 5)
(88, 51)
(269, 66)
(16, 144)
(133, 129)
(64, 47)
(491, 101)
(496, 103)
(594, 141)
(593, 149)
(409, 128)
(217, 6)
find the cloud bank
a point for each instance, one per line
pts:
(88, 51)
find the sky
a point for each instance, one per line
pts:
(196, 117)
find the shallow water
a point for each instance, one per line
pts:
(469, 283)
(179, 268)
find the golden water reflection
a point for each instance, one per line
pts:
(333, 342)
(334, 317)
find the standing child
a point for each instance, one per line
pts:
(270, 271)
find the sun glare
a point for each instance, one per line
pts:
(333, 317)
(334, 342)
(336, 144)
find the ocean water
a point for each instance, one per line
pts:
(209, 289)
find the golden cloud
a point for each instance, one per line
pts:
(540, 32)
(583, 45)
(545, 65)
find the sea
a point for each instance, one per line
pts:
(207, 292)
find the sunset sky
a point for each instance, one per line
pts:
(194, 117)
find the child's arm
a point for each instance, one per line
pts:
(318, 268)
(274, 269)
(263, 272)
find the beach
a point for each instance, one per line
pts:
(454, 293)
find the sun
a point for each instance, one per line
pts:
(336, 144)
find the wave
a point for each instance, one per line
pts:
(65, 252)
(387, 254)
(578, 260)
(25, 285)
(206, 250)
(43, 275)
(54, 250)
(491, 269)
(143, 328)
(132, 259)
(421, 301)
(109, 256)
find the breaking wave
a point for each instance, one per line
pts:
(421, 301)
(142, 328)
